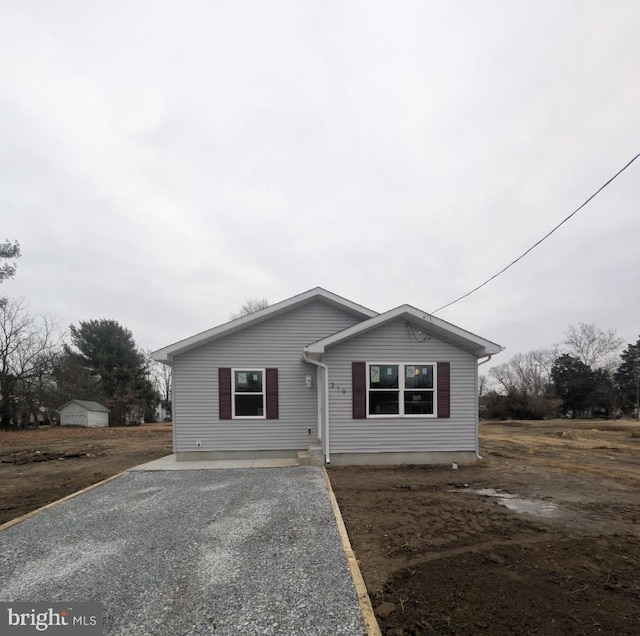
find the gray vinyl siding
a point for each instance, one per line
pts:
(392, 343)
(276, 343)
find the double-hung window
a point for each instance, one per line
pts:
(248, 394)
(401, 389)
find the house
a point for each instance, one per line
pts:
(324, 378)
(161, 413)
(83, 413)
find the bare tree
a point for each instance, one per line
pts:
(161, 375)
(483, 383)
(526, 373)
(593, 346)
(27, 348)
(250, 306)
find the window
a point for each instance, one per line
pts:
(401, 389)
(248, 393)
(246, 396)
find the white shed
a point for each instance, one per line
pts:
(84, 413)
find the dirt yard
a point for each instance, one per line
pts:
(440, 550)
(40, 466)
(558, 553)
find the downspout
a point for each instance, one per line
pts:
(325, 424)
(174, 437)
(485, 361)
(478, 456)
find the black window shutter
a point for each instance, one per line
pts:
(359, 388)
(444, 389)
(224, 393)
(272, 394)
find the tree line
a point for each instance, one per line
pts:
(589, 374)
(42, 367)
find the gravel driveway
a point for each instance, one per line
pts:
(235, 551)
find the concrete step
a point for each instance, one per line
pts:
(313, 456)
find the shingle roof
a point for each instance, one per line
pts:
(166, 354)
(87, 404)
(426, 322)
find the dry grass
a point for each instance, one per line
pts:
(19, 438)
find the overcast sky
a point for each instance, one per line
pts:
(161, 161)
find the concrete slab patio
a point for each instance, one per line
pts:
(229, 551)
(169, 463)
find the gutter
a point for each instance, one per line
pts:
(325, 424)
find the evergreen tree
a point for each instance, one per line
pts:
(109, 352)
(628, 376)
(573, 382)
(8, 250)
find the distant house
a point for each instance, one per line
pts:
(320, 377)
(84, 413)
(162, 413)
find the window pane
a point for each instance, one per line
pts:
(384, 402)
(249, 406)
(248, 381)
(418, 402)
(418, 376)
(383, 376)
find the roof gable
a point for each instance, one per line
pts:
(317, 293)
(426, 323)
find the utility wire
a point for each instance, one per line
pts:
(546, 236)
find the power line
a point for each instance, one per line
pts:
(546, 236)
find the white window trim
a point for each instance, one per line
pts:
(233, 394)
(401, 389)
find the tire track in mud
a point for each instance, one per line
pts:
(480, 547)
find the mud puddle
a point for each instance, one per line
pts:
(535, 507)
